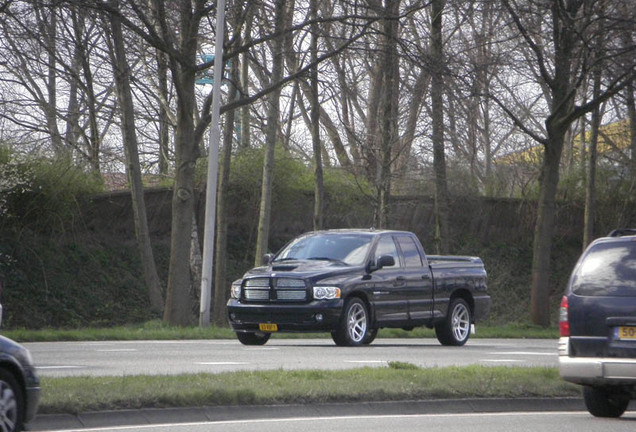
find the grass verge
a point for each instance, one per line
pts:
(398, 381)
(156, 330)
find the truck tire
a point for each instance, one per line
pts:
(12, 406)
(371, 335)
(253, 338)
(353, 329)
(454, 330)
(603, 403)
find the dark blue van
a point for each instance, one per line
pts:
(597, 318)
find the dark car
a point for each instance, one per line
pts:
(597, 348)
(19, 386)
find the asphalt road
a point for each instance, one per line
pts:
(215, 356)
(448, 422)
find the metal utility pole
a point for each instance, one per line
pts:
(213, 168)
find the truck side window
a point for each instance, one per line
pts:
(412, 257)
(386, 246)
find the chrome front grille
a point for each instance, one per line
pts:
(290, 289)
(257, 289)
(272, 290)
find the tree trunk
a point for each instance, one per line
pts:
(94, 144)
(177, 311)
(557, 125)
(315, 122)
(221, 291)
(370, 148)
(631, 112)
(388, 108)
(590, 181)
(51, 112)
(245, 80)
(196, 263)
(437, 113)
(273, 115)
(183, 69)
(73, 131)
(544, 228)
(164, 118)
(133, 168)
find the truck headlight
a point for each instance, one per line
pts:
(236, 290)
(326, 292)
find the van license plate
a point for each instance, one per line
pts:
(273, 327)
(626, 333)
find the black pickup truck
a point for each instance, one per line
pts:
(352, 283)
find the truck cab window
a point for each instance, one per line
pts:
(386, 246)
(412, 257)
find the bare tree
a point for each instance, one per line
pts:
(124, 95)
(590, 180)
(561, 66)
(49, 52)
(315, 121)
(273, 116)
(437, 110)
(221, 293)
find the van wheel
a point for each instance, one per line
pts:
(353, 329)
(253, 338)
(601, 402)
(454, 330)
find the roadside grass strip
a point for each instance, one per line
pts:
(396, 382)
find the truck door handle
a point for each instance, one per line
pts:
(399, 281)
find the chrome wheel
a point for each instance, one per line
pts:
(357, 322)
(353, 328)
(454, 330)
(460, 322)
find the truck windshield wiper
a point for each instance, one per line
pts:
(286, 259)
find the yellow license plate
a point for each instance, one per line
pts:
(627, 332)
(268, 327)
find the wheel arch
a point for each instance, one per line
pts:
(465, 295)
(15, 370)
(364, 298)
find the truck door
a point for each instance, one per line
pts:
(419, 282)
(389, 293)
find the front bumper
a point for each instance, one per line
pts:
(595, 370)
(313, 316)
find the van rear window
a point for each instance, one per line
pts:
(607, 269)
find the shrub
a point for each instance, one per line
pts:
(40, 193)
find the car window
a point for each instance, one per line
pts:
(412, 257)
(386, 246)
(607, 269)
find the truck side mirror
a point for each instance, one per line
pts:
(385, 261)
(267, 259)
(382, 261)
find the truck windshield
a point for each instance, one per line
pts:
(350, 249)
(608, 269)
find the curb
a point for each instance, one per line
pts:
(154, 416)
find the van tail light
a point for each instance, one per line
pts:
(564, 322)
